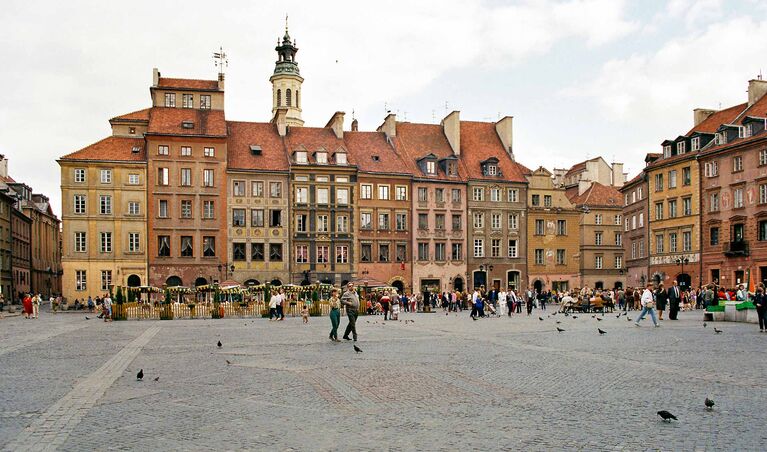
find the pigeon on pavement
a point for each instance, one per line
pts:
(540, 318)
(219, 344)
(157, 379)
(560, 330)
(599, 319)
(666, 416)
(357, 349)
(601, 331)
(716, 331)
(709, 404)
(140, 375)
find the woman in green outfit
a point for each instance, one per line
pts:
(335, 314)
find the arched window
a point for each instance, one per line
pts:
(173, 281)
(279, 98)
(298, 98)
(134, 281)
(288, 99)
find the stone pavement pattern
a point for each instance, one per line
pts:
(443, 382)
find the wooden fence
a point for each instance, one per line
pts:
(159, 311)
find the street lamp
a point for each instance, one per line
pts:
(681, 261)
(227, 268)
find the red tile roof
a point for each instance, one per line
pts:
(244, 134)
(726, 116)
(597, 195)
(111, 148)
(167, 121)
(633, 181)
(188, 83)
(479, 142)
(373, 154)
(313, 139)
(140, 115)
(419, 140)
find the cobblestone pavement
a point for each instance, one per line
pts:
(441, 383)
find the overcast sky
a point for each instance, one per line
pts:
(581, 77)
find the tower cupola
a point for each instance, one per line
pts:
(286, 80)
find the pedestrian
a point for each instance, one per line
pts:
(36, 306)
(106, 304)
(661, 298)
(648, 306)
(760, 301)
(475, 297)
(351, 302)
(27, 304)
(281, 305)
(335, 314)
(530, 300)
(674, 299)
(305, 313)
(502, 302)
(273, 300)
(385, 301)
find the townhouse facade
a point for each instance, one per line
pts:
(6, 246)
(635, 240)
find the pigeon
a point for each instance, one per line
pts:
(618, 316)
(554, 313)
(540, 318)
(601, 331)
(367, 321)
(87, 318)
(666, 416)
(599, 319)
(140, 375)
(628, 318)
(704, 324)
(446, 313)
(219, 344)
(560, 329)
(575, 316)
(709, 404)
(157, 379)
(716, 331)
(228, 363)
(558, 322)
(594, 316)
(357, 349)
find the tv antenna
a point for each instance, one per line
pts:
(221, 61)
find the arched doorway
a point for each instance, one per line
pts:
(458, 284)
(684, 281)
(173, 281)
(618, 285)
(512, 280)
(200, 282)
(276, 282)
(399, 285)
(538, 285)
(480, 279)
(326, 280)
(251, 283)
(134, 281)
(599, 285)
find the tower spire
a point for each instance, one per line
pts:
(286, 80)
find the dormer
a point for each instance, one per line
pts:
(681, 145)
(321, 156)
(699, 140)
(428, 164)
(668, 148)
(490, 167)
(754, 125)
(341, 157)
(301, 156)
(727, 133)
(449, 165)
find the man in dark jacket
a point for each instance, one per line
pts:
(351, 302)
(674, 298)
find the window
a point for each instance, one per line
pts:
(495, 221)
(162, 149)
(659, 243)
(640, 193)
(170, 99)
(322, 223)
(762, 193)
(342, 196)
(208, 178)
(134, 244)
(695, 143)
(342, 254)
(275, 189)
(763, 157)
(257, 252)
(457, 222)
(492, 170)
(323, 254)
(495, 248)
(204, 101)
(342, 224)
(163, 176)
(81, 281)
(659, 182)
(79, 204)
(238, 217)
(431, 167)
(546, 200)
(538, 256)
(439, 221)
(658, 210)
(495, 194)
(80, 242)
(275, 252)
(208, 152)
(737, 163)
(641, 249)
(106, 176)
(672, 208)
(672, 242)
(275, 218)
(680, 149)
(598, 262)
(761, 233)
(513, 221)
(400, 193)
(672, 179)
(257, 189)
(208, 210)
(714, 236)
(536, 200)
(401, 221)
(301, 222)
(133, 208)
(457, 252)
(513, 195)
(366, 191)
(163, 245)
(617, 220)
(187, 246)
(598, 238)
(383, 221)
(633, 223)
(618, 239)
(423, 221)
(456, 195)
(209, 246)
(561, 257)
(539, 227)
(423, 194)
(738, 232)
(711, 169)
(713, 202)
(323, 196)
(366, 252)
(479, 248)
(618, 262)
(134, 179)
(257, 218)
(737, 198)
(561, 227)
(641, 220)
(687, 241)
(301, 157)
(478, 194)
(162, 210)
(238, 251)
(186, 177)
(401, 252)
(686, 176)
(79, 174)
(383, 252)
(633, 250)
(686, 206)
(479, 220)
(302, 195)
(366, 220)
(452, 169)
(423, 251)
(340, 158)
(321, 158)
(667, 151)
(513, 249)
(383, 192)
(439, 195)
(598, 219)
(302, 254)
(720, 138)
(105, 205)
(238, 188)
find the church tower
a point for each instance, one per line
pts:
(286, 81)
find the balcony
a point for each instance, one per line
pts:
(736, 248)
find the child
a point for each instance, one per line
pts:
(305, 313)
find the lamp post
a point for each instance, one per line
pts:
(227, 268)
(486, 269)
(681, 261)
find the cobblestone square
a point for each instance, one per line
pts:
(440, 383)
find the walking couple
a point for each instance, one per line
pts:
(351, 301)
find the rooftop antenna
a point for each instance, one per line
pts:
(433, 116)
(759, 77)
(352, 114)
(386, 108)
(221, 61)
(447, 107)
(405, 115)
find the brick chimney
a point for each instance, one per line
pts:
(451, 126)
(505, 132)
(220, 81)
(756, 89)
(337, 124)
(281, 119)
(355, 125)
(389, 126)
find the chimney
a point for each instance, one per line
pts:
(220, 81)
(280, 118)
(355, 125)
(337, 124)
(505, 132)
(756, 89)
(451, 126)
(155, 77)
(618, 177)
(389, 126)
(583, 185)
(3, 166)
(700, 115)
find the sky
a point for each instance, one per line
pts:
(582, 78)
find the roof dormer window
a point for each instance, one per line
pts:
(301, 157)
(187, 125)
(340, 158)
(492, 170)
(452, 169)
(720, 138)
(745, 131)
(667, 151)
(431, 167)
(321, 157)
(695, 144)
(680, 147)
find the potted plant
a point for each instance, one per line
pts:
(166, 313)
(119, 313)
